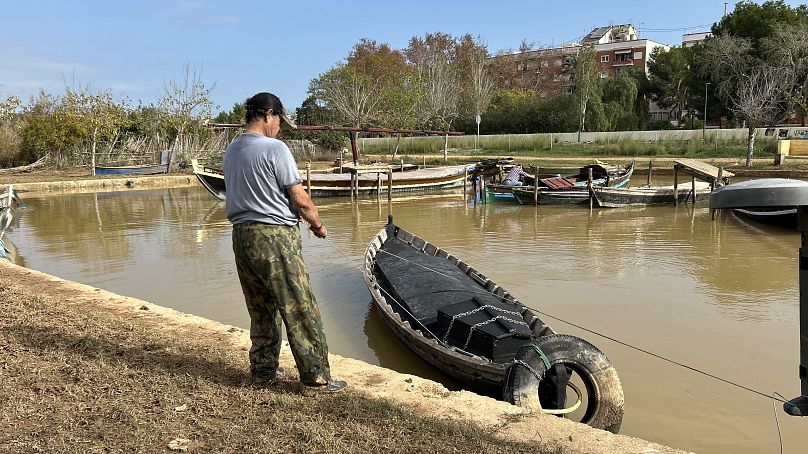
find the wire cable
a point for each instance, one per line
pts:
(615, 340)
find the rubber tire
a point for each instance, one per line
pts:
(605, 393)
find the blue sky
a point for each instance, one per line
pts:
(132, 48)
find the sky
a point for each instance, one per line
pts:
(133, 48)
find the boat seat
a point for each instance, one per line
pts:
(485, 327)
(557, 182)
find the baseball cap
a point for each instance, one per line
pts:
(264, 102)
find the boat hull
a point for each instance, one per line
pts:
(375, 183)
(148, 169)
(641, 196)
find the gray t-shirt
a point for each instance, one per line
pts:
(257, 171)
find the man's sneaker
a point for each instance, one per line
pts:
(263, 380)
(332, 386)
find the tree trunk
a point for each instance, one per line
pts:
(446, 148)
(92, 164)
(395, 151)
(750, 147)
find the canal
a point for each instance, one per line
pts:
(720, 296)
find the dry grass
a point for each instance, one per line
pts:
(81, 378)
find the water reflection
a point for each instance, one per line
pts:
(718, 295)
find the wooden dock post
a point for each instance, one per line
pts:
(308, 178)
(353, 181)
(402, 164)
(676, 184)
(482, 190)
(693, 189)
(536, 186)
(389, 185)
(378, 184)
(720, 180)
(589, 187)
(650, 171)
(465, 183)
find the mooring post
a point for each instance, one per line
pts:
(465, 182)
(308, 177)
(799, 405)
(589, 187)
(402, 164)
(650, 171)
(378, 184)
(389, 185)
(536, 186)
(675, 184)
(482, 190)
(719, 181)
(693, 189)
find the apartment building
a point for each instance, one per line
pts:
(617, 47)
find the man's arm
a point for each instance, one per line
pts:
(302, 202)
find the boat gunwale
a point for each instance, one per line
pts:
(424, 345)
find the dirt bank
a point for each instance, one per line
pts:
(85, 368)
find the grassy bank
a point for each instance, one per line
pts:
(79, 378)
(530, 145)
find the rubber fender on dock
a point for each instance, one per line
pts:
(549, 357)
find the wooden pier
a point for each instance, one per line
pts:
(716, 176)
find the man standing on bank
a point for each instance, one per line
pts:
(265, 202)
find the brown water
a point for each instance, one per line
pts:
(719, 296)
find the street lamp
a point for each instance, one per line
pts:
(704, 123)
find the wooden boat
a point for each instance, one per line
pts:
(573, 190)
(649, 195)
(144, 169)
(768, 200)
(475, 331)
(370, 180)
(8, 203)
(781, 217)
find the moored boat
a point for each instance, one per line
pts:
(144, 169)
(470, 328)
(368, 181)
(8, 203)
(767, 200)
(574, 189)
(649, 195)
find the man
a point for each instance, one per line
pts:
(265, 201)
(515, 176)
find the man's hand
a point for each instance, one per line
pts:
(319, 232)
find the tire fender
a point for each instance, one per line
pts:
(604, 409)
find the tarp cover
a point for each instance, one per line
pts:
(426, 284)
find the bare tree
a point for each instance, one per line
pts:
(787, 49)
(482, 86)
(353, 95)
(438, 81)
(756, 100)
(756, 90)
(185, 101)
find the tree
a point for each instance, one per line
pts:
(755, 21)
(587, 84)
(438, 80)
(353, 95)
(236, 115)
(787, 49)
(482, 84)
(619, 99)
(671, 78)
(185, 102)
(755, 100)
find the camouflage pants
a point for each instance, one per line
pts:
(276, 288)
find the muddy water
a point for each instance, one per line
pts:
(719, 296)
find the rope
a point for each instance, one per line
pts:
(625, 344)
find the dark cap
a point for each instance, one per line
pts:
(264, 102)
